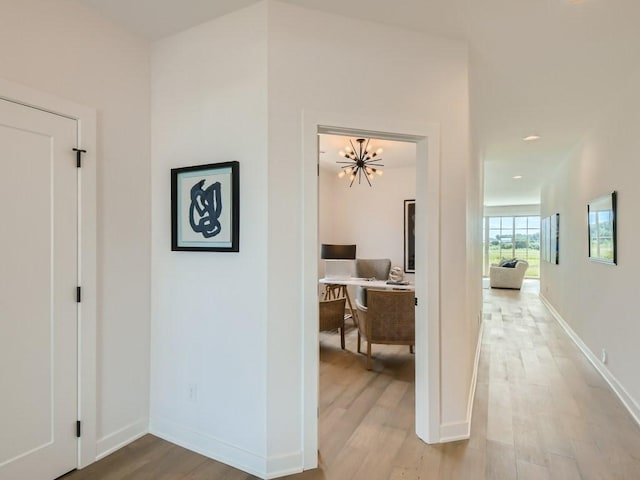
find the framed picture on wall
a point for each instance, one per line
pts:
(205, 208)
(602, 217)
(554, 238)
(545, 239)
(410, 236)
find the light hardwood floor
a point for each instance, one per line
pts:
(541, 412)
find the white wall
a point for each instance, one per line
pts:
(326, 209)
(399, 74)
(64, 49)
(209, 104)
(370, 217)
(598, 301)
(234, 89)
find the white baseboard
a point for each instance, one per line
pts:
(121, 438)
(452, 432)
(627, 400)
(226, 453)
(284, 465)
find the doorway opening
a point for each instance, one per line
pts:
(424, 140)
(367, 189)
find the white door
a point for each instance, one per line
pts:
(38, 279)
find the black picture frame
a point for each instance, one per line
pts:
(205, 208)
(602, 219)
(410, 236)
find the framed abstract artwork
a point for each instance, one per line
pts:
(602, 217)
(410, 236)
(205, 208)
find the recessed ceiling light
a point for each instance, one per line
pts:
(531, 138)
(517, 177)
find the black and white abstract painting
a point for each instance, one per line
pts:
(205, 207)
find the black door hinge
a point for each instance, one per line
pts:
(79, 153)
(78, 429)
(78, 294)
(416, 299)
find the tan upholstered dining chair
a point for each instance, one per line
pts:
(389, 319)
(332, 317)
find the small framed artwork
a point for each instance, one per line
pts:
(545, 243)
(554, 237)
(602, 216)
(205, 208)
(410, 236)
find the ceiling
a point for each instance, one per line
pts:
(544, 67)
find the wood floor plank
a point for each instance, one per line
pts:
(408, 461)
(500, 418)
(528, 446)
(473, 464)
(531, 471)
(500, 461)
(378, 463)
(562, 468)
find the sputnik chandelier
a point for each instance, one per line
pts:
(362, 161)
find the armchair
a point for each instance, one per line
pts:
(377, 268)
(389, 319)
(332, 317)
(505, 277)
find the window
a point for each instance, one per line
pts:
(512, 237)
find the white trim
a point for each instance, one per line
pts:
(452, 432)
(224, 452)
(86, 120)
(427, 139)
(627, 400)
(284, 465)
(121, 438)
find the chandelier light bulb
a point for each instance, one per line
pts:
(361, 160)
